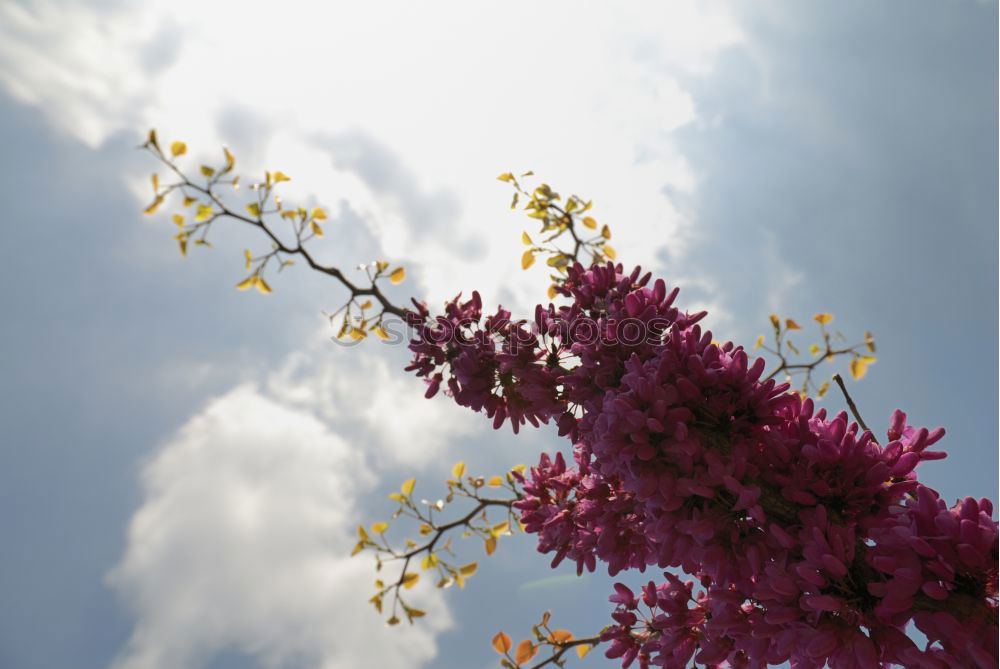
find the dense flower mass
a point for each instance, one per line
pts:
(811, 542)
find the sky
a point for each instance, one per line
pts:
(184, 464)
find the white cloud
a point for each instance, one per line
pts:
(384, 408)
(242, 544)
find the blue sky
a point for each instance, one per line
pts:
(183, 464)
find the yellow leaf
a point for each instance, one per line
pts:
(248, 257)
(318, 214)
(760, 342)
(775, 321)
(230, 159)
(397, 276)
(396, 497)
(416, 613)
(407, 487)
(410, 579)
(520, 469)
(207, 171)
(823, 319)
(151, 209)
(381, 333)
(247, 283)
(590, 222)
(859, 366)
(429, 562)
(552, 292)
(792, 325)
(491, 545)
(468, 569)
(358, 547)
(526, 239)
(156, 183)
(582, 650)
(823, 388)
(458, 470)
(316, 230)
(178, 220)
(502, 528)
(182, 241)
(367, 304)
(527, 259)
(495, 482)
(362, 534)
(501, 643)
(151, 139)
(814, 349)
(609, 251)
(280, 176)
(506, 176)
(178, 149)
(560, 636)
(606, 232)
(262, 286)
(289, 213)
(357, 334)
(392, 621)
(188, 201)
(253, 209)
(513, 201)
(203, 213)
(380, 527)
(425, 529)
(525, 651)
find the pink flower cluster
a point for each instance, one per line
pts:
(812, 543)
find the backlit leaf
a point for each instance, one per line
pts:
(379, 527)
(178, 149)
(316, 230)
(491, 545)
(500, 529)
(247, 283)
(525, 651)
(203, 213)
(870, 341)
(397, 276)
(410, 579)
(526, 239)
(415, 613)
(468, 569)
(381, 333)
(318, 214)
(207, 171)
(407, 487)
(606, 232)
(590, 222)
(823, 319)
(609, 251)
(429, 562)
(280, 176)
(760, 342)
(495, 482)
(527, 259)
(458, 470)
(582, 650)
(552, 292)
(501, 643)
(506, 176)
(262, 286)
(253, 209)
(156, 182)
(792, 325)
(248, 257)
(560, 636)
(151, 209)
(151, 139)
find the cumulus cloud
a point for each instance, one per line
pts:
(241, 544)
